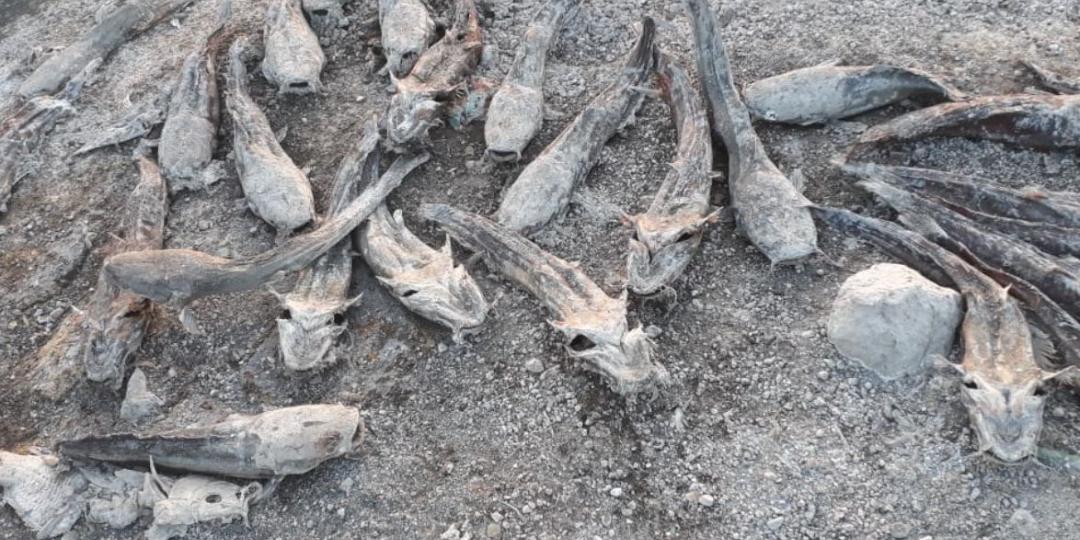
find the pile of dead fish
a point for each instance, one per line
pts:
(986, 241)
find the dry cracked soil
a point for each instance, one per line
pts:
(774, 436)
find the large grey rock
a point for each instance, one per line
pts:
(891, 320)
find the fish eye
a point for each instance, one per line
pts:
(409, 293)
(1040, 390)
(684, 237)
(285, 314)
(970, 384)
(581, 343)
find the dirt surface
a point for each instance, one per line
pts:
(775, 436)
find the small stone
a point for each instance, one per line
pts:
(1023, 522)
(139, 403)
(346, 485)
(496, 517)
(494, 530)
(534, 365)
(706, 500)
(900, 530)
(616, 492)
(341, 512)
(775, 523)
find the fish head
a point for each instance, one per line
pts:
(1007, 415)
(109, 343)
(208, 498)
(661, 247)
(442, 293)
(411, 115)
(606, 346)
(159, 275)
(401, 56)
(307, 332)
(514, 117)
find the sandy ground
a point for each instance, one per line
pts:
(782, 437)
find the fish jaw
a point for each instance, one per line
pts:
(623, 357)
(661, 249)
(308, 336)
(514, 118)
(1007, 418)
(410, 116)
(442, 293)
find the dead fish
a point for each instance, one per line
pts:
(324, 14)
(769, 209)
(194, 499)
(178, 276)
(114, 29)
(137, 122)
(276, 189)
(294, 60)
(314, 307)
(978, 194)
(189, 136)
(56, 367)
(440, 77)
(1013, 256)
(544, 187)
(668, 233)
(820, 94)
(117, 321)
(43, 493)
(1054, 81)
(517, 108)
(1004, 389)
(407, 29)
(593, 323)
(1052, 239)
(1042, 122)
(425, 280)
(280, 442)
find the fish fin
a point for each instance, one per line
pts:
(1045, 351)
(190, 324)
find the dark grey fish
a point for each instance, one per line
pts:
(667, 235)
(324, 15)
(1054, 81)
(407, 29)
(291, 440)
(294, 60)
(517, 108)
(769, 210)
(1003, 386)
(593, 323)
(820, 94)
(544, 187)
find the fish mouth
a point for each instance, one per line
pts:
(648, 272)
(503, 156)
(307, 346)
(1013, 447)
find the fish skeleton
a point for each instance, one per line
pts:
(545, 186)
(116, 321)
(440, 77)
(668, 233)
(307, 334)
(517, 108)
(407, 29)
(819, 94)
(178, 276)
(593, 323)
(425, 280)
(1054, 81)
(277, 191)
(294, 60)
(769, 210)
(291, 440)
(1003, 388)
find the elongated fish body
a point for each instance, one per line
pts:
(117, 320)
(177, 276)
(978, 194)
(1013, 256)
(668, 233)
(307, 335)
(1054, 81)
(115, 28)
(516, 112)
(407, 30)
(291, 440)
(819, 94)
(1003, 386)
(1052, 239)
(440, 77)
(1042, 122)
(189, 135)
(593, 323)
(769, 210)
(425, 280)
(276, 189)
(544, 188)
(294, 60)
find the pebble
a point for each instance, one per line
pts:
(900, 530)
(346, 485)
(706, 500)
(775, 523)
(534, 365)
(494, 530)
(616, 492)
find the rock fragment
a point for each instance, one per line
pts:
(139, 403)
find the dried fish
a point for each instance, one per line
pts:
(277, 191)
(178, 276)
(116, 320)
(294, 60)
(291, 440)
(424, 279)
(407, 30)
(111, 31)
(440, 78)
(1042, 122)
(43, 493)
(1054, 81)
(1003, 386)
(517, 108)
(593, 323)
(668, 233)
(544, 188)
(56, 367)
(188, 138)
(199, 499)
(311, 324)
(769, 209)
(819, 94)
(324, 14)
